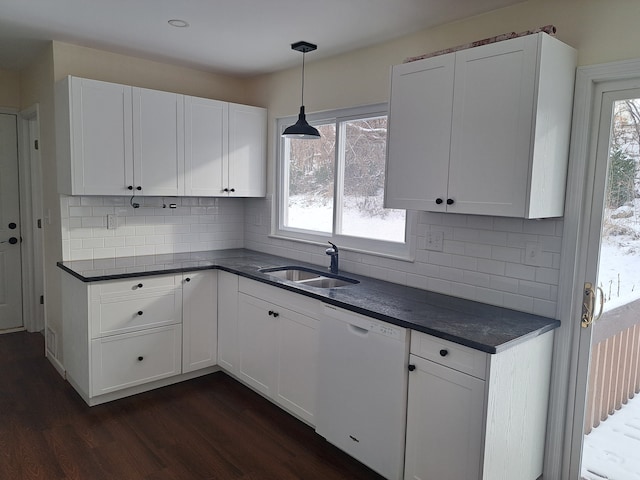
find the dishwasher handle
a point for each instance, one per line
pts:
(363, 332)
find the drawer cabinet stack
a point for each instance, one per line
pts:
(125, 336)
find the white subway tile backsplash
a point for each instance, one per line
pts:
(195, 224)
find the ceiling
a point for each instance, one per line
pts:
(236, 37)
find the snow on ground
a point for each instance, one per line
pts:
(612, 450)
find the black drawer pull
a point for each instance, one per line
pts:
(412, 368)
(449, 201)
(444, 353)
(130, 187)
(274, 314)
(438, 201)
(138, 187)
(140, 359)
(140, 312)
(140, 285)
(187, 279)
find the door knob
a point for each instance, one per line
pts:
(12, 241)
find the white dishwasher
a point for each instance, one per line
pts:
(362, 388)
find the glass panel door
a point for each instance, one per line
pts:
(611, 436)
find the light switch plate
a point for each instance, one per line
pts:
(112, 221)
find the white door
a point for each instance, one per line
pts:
(606, 424)
(247, 165)
(158, 142)
(10, 239)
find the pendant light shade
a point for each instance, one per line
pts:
(301, 129)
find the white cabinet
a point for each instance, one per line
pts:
(247, 159)
(228, 321)
(270, 347)
(199, 320)
(115, 139)
(483, 130)
(472, 415)
(122, 337)
(225, 149)
(94, 137)
(158, 142)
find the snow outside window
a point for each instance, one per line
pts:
(333, 188)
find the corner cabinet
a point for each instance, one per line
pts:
(483, 130)
(116, 139)
(123, 337)
(476, 416)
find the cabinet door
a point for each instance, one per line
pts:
(199, 320)
(206, 132)
(158, 132)
(297, 363)
(228, 321)
(246, 168)
(101, 136)
(419, 134)
(492, 126)
(257, 343)
(444, 423)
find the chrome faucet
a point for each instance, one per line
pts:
(333, 253)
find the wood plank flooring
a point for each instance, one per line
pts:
(208, 428)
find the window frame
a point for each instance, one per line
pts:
(402, 251)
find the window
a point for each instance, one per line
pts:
(334, 187)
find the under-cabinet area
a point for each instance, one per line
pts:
(393, 393)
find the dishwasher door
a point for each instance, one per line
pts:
(362, 388)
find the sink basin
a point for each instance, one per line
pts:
(309, 277)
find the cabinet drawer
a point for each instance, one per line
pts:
(134, 286)
(122, 361)
(293, 301)
(449, 354)
(125, 314)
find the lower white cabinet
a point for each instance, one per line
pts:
(199, 320)
(272, 344)
(473, 415)
(126, 336)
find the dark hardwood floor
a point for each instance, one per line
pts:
(208, 428)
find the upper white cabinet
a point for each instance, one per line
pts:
(116, 139)
(158, 142)
(483, 130)
(225, 149)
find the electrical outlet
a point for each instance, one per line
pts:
(532, 254)
(434, 241)
(112, 221)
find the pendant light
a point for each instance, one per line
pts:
(301, 129)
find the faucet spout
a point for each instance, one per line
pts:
(333, 253)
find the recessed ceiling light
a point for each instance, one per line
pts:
(178, 23)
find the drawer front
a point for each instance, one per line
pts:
(452, 355)
(293, 301)
(134, 286)
(130, 359)
(125, 314)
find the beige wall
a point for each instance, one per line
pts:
(9, 89)
(112, 67)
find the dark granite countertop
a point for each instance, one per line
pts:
(484, 327)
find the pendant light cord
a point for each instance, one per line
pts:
(302, 100)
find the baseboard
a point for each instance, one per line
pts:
(56, 364)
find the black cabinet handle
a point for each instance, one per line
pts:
(449, 201)
(187, 279)
(225, 189)
(274, 314)
(140, 312)
(130, 187)
(140, 358)
(12, 226)
(138, 187)
(439, 201)
(139, 285)
(412, 367)
(232, 190)
(444, 353)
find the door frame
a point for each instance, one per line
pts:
(567, 402)
(32, 246)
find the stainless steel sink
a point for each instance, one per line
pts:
(309, 277)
